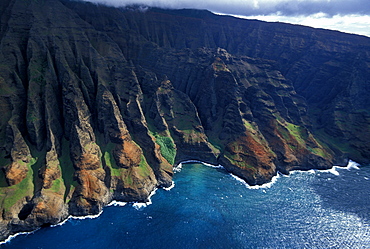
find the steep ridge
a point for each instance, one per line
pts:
(99, 103)
(324, 66)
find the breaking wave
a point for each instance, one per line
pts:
(334, 170)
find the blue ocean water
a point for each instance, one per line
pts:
(209, 208)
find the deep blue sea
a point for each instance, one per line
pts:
(209, 208)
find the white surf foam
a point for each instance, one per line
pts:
(61, 223)
(92, 216)
(213, 166)
(15, 235)
(267, 185)
(170, 187)
(353, 165)
(333, 170)
(263, 186)
(239, 180)
(311, 171)
(140, 205)
(180, 165)
(178, 168)
(117, 204)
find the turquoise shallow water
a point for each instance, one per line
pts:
(208, 208)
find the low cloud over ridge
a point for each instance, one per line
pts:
(258, 7)
(343, 15)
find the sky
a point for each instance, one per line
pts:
(351, 16)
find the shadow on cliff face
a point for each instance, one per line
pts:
(346, 192)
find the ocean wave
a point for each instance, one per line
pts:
(170, 187)
(334, 170)
(311, 171)
(15, 235)
(141, 205)
(178, 168)
(117, 203)
(352, 165)
(213, 166)
(91, 216)
(263, 186)
(61, 223)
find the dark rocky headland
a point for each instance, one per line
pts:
(98, 103)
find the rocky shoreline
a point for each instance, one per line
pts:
(178, 167)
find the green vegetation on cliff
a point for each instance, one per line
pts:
(14, 194)
(167, 147)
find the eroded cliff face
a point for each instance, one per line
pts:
(98, 104)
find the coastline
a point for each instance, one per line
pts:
(139, 205)
(333, 170)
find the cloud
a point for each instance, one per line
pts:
(258, 7)
(352, 23)
(351, 16)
